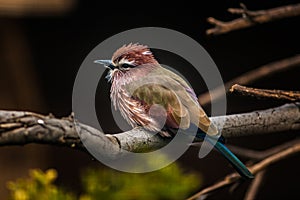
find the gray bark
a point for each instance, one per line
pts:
(20, 128)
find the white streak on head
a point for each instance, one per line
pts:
(125, 61)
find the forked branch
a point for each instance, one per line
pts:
(250, 18)
(251, 76)
(256, 168)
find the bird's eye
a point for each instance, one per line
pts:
(125, 65)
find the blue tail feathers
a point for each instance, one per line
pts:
(233, 160)
(219, 145)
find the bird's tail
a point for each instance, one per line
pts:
(234, 161)
(219, 145)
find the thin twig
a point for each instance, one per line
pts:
(251, 18)
(255, 186)
(261, 154)
(265, 93)
(250, 77)
(262, 165)
(275, 158)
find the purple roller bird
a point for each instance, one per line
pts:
(151, 96)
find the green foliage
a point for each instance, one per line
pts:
(38, 186)
(168, 183)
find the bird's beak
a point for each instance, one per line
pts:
(106, 63)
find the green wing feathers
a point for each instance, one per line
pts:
(151, 94)
(177, 98)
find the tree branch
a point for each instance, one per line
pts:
(255, 185)
(256, 168)
(264, 93)
(251, 18)
(256, 155)
(251, 76)
(20, 128)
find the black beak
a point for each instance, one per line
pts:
(106, 63)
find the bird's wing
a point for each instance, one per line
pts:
(174, 94)
(190, 100)
(151, 94)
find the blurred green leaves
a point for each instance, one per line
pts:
(38, 186)
(168, 183)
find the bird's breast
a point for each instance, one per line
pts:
(131, 109)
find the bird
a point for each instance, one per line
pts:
(159, 100)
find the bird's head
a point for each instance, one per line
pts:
(129, 58)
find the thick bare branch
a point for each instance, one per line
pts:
(256, 168)
(251, 18)
(265, 93)
(260, 122)
(251, 76)
(20, 128)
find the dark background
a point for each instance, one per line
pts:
(40, 56)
